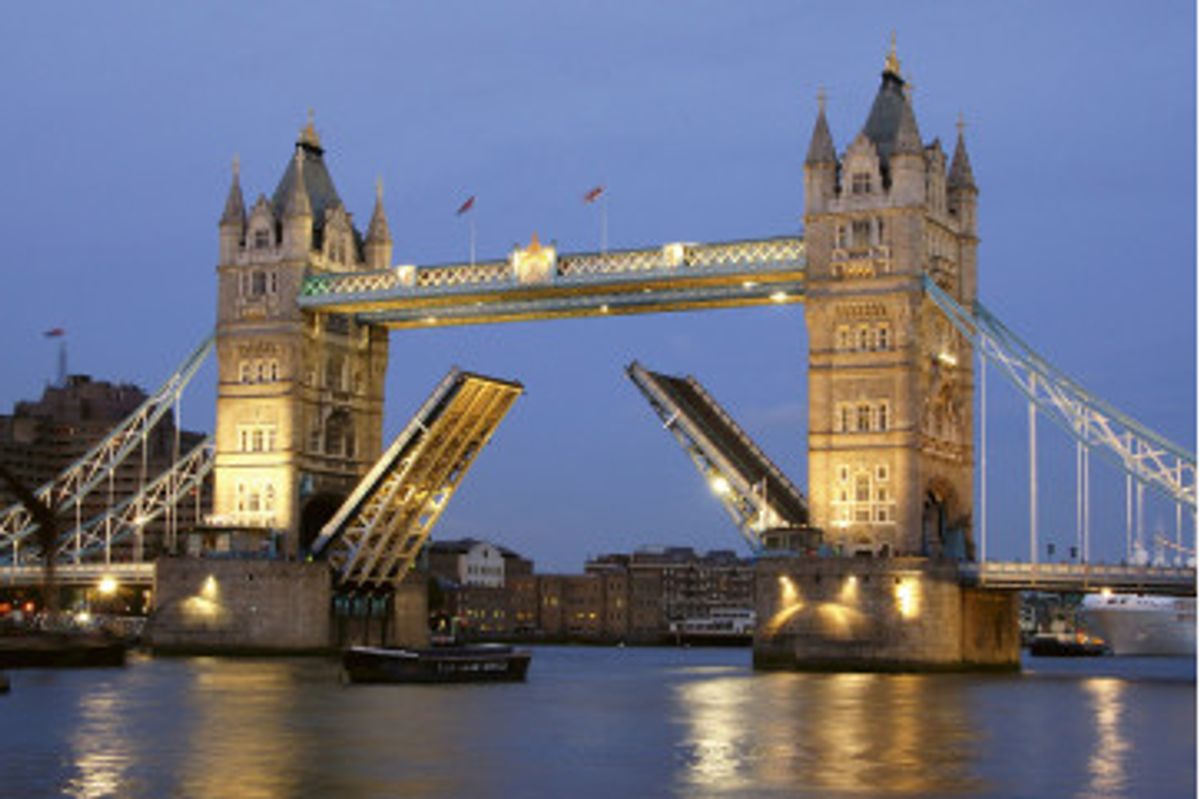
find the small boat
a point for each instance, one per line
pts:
(478, 663)
(1066, 645)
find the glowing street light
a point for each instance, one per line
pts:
(108, 585)
(719, 485)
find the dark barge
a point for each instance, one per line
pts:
(450, 664)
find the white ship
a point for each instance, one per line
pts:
(722, 627)
(1133, 624)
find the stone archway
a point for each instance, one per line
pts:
(943, 534)
(318, 510)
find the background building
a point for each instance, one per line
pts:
(42, 438)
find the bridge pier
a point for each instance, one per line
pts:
(880, 614)
(232, 606)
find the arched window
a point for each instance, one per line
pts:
(863, 420)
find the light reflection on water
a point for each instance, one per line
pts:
(598, 723)
(843, 733)
(101, 746)
(1107, 763)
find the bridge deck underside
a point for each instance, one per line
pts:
(735, 447)
(374, 539)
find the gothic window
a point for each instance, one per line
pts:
(844, 339)
(244, 375)
(883, 336)
(256, 438)
(863, 417)
(879, 232)
(258, 283)
(338, 433)
(843, 237)
(862, 500)
(861, 233)
(843, 421)
(334, 372)
(881, 417)
(860, 183)
(314, 436)
(274, 282)
(262, 239)
(273, 370)
(881, 473)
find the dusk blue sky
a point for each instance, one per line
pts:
(120, 121)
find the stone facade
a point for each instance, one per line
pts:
(300, 395)
(874, 614)
(227, 605)
(890, 381)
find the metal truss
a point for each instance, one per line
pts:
(97, 535)
(670, 278)
(1145, 455)
(68, 489)
(755, 493)
(378, 532)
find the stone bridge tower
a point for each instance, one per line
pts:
(300, 394)
(891, 384)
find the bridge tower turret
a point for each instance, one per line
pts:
(891, 466)
(300, 394)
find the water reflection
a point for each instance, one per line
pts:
(240, 727)
(854, 733)
(1106, 766)
(100, 743)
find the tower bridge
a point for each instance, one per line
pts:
(888, 271)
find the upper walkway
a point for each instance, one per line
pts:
(536, 282)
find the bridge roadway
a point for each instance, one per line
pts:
(80, 574)
(1081, 577)
(536, 282)
(1052, 577)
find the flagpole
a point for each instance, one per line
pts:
(471, 222)
(604, 224)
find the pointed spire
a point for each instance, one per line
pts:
(235, 205)
(820, 148)
(308, 135)
(961, 176)
(296, 203)
(891, 63)
(377, 230)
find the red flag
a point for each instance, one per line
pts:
(467, 206)
(592, 195)
(55, 332)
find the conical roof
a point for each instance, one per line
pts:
(235, 204)
(961, 176)
(892, 126)
(820, 149)
(377, 230)
(318, 185)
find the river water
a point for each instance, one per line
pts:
(601, 722)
